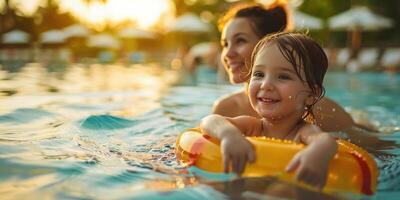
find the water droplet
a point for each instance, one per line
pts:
(333, 109)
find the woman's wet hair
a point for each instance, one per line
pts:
(263, 20)
(303, 53)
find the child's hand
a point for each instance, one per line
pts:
(236, 151)
(312, 167)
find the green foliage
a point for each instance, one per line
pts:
(50, 18)
(325, 9)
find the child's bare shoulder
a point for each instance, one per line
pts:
(246, 119)
(308, 130)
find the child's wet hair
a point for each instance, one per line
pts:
(302, 52)
(263, 20)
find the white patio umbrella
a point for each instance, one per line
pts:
(189, 22)
(103, 41)
(76, 30)
(200, 49)
(302, 20)
(136, 33)
(15, 37)
(52, 37)
(358, 19)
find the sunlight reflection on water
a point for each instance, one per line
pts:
(108, 132)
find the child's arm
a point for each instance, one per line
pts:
(235, 149)
(313, 161)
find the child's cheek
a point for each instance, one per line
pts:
(252, 90)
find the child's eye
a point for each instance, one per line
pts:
(258, 74)
(284, 76)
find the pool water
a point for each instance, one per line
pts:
(108, 132)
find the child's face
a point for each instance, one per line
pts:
(275, 90)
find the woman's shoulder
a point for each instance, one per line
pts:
(229, 105)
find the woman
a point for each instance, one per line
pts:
(241, 28)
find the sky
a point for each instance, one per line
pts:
(144, 12)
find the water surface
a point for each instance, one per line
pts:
(108, 132)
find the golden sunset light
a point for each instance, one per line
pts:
(134, 99)
(142, 12)
(25, 7)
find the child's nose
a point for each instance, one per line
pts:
(267, 83)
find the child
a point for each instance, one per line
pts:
(285, 82)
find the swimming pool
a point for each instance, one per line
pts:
(108, 132)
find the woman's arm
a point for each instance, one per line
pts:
(369, 140)
(330, 116)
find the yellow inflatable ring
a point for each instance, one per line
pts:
(352, 169)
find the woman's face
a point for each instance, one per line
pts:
(237, 40)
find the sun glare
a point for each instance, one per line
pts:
(26, 7)
(2, 4)
(144, 13)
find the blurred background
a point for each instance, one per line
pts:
(357, 35)
(93, 93)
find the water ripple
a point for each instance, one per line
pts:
(25, 115)
(106, 122)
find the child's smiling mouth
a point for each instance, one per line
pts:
(268, 100)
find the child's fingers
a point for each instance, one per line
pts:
(241, 164)
(317, 182)
(311, 179)
(236, 165)
(294, 163)
(251, 156)
(301, 175)
(226, 163)
(321, 183)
